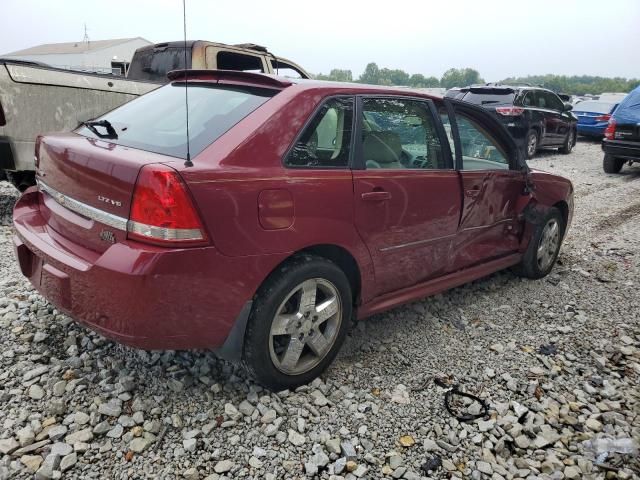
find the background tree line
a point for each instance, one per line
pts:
(462, 77)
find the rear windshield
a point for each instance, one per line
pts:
(156, 122)
(153, 64)
(492, 98)
(594, 107)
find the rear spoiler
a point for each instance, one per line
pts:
(490, 90)
(230, 76)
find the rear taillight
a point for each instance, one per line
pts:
(3, 121)
(162, 211)
(510, 111)
(603, 118)
(610, 131)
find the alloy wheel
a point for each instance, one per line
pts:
(548, 246)
(532, 142)
(305, 326)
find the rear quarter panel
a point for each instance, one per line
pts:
(229, 176)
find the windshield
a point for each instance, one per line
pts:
(156, 122)
(594, 107)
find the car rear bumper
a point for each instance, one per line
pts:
(143, 296)
(592, 130)
(622, 149)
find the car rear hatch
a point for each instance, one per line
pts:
(87, 186)
(92, 181)
(628, 131)
(627, 117)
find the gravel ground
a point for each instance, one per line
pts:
(557, 360)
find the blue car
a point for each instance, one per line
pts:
(593, 117)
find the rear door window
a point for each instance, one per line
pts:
(226, 60)
(153, 64)
(326, 141)
(155, 122)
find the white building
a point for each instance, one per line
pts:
(94, 56)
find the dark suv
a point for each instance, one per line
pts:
(621, 142)
(535, 117)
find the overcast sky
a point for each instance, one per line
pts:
(499, 38)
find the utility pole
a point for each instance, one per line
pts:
(86, 37)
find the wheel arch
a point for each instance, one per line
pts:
(564, 210)
(337, 254)
(536, 127)
(233, 346)
(343, 259)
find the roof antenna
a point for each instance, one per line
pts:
(188, 162)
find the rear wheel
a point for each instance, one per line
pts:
(531, 145)
(569, 143)
(298, 323)
(544, 246)
(612, 164)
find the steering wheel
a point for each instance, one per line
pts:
(421, 162)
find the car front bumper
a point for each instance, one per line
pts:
(139, 295)
(622, 149)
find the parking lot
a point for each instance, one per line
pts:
(557, 360)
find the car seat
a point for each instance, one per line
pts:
(382, 150)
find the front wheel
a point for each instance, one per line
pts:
(298, 323)
(544, 246)
(531, 145)
(569, 143)
(612, 164)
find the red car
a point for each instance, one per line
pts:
(295, 207)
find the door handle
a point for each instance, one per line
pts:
(377, 196)
(473, 192)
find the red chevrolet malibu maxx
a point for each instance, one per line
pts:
(293, 208)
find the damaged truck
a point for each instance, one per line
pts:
(36, 98)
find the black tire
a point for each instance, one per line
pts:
(531, 144)
(256, 355)
(612, 164)
(530, 267)
(569, 143)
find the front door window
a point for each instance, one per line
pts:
(479, 150)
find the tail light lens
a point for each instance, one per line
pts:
(603, 118)
(510, 111)
(610, 131)
(162, 211)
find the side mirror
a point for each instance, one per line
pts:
(567, 107)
